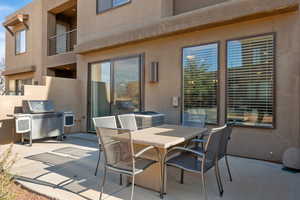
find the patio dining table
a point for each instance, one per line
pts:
(163, 137)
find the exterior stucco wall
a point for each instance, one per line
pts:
(37, 40)
(185, 6)
(266, 144)
(136, 13)
(33, 55)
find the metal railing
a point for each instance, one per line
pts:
(62, 43)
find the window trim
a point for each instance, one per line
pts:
(141, 75)
(109, 9)
(218, 76)
(26, 39)
(274, 34)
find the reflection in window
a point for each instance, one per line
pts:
(115, 88)
(250, 81)
(100, 89)
(104, 5)
(127, 86)
(200, 68)
(20, 42)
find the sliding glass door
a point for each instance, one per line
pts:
(114, 88)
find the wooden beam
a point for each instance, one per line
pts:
(7, 28)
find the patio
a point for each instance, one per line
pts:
(65, 170)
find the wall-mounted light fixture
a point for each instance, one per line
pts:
(154, 72)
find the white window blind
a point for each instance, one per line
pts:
(250, 81)
(200, 84)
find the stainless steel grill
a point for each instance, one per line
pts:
(42, 119)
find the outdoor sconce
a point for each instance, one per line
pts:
(154, 72)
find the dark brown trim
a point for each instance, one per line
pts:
(112, 70)
(109, 9)
(274, 80)
(88, 113)
(218, 77)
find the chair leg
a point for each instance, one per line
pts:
(99, 158)
(182, 176)
(121, 179)
(132, 187)
(103, 183)
(163, 172)
(204, 186)
(219, 180)
(228, 169)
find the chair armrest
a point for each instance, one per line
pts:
(183, 149)
(141, 152)
(199, 140)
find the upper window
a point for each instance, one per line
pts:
(250, 81)
(200, 84)
(20, 42)
(103, 5)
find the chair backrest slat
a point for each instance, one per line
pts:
(213, 145)
(117, 146)
(107, 122)
(227, 129)
(128, 121)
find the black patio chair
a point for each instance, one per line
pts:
(195, 161)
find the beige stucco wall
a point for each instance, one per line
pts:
(37, 41)
(33, 55)
(138, 12)
(185, 6)
(266, 144)
(66, 98)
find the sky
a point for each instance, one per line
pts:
(6, 8)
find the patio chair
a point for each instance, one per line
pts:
(128, 121)
(225, 140)
(120, 156)
(222, 152)
(108, 122)
(195, 161)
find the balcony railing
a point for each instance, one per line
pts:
(62, 43)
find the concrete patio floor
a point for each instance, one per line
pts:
(65, 171)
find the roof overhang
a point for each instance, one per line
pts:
(18, 70)
(221, 14)
(16, 20)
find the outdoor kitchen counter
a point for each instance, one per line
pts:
(163, 137)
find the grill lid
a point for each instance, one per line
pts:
(38, 106)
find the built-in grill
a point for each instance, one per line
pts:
(149, 119)
(39, 120)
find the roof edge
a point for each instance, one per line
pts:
(203, 18)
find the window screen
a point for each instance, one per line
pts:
(104, 5)
(250, 81)
(200, 84)
(21, 42)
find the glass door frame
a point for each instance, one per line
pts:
(112, 80)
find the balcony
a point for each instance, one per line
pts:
(62, 28)
(62, 43)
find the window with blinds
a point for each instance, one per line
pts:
(200, 84)
(103, 5)
(250, 81)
